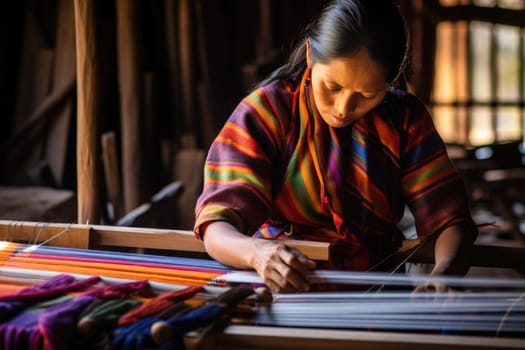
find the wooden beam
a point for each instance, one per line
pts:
(260, 337)
(184, 240)
(486, 256)
(129, 237)
(131, 86)
(112, 173)
(57, 235)
(185, 37)
(87, 113)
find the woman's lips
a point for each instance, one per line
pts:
(339, 120)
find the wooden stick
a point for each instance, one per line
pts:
(181, 240)
(111, 172)
(87, 113)
(186, 61)
(130, 78)
(76, 236)
(133, 237)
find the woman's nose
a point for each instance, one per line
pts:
(346, 105)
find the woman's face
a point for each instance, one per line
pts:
(347, 88)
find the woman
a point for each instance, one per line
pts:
(326, 149)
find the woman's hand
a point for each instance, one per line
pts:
(436, 288)
(282, 268)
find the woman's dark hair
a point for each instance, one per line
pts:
(344, 27)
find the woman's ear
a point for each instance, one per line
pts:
(308, 54)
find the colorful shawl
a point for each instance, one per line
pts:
(277, 170)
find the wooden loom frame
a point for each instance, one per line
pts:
(104, 236)
(256, 337)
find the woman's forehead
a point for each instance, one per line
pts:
(355, 69)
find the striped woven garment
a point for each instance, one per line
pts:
(277, 170)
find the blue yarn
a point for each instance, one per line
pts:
(134, 336)
(190, 321)
(196, 318)
(138, 335)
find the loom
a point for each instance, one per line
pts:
(481, 313)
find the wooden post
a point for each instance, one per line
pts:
(185, 18)
(87, 113)
(131, 88)
(111, 173)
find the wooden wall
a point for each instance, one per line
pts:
(169, 74)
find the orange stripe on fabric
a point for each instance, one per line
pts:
(383, 129)
(246, 147)
(113, 273)
(256, 105)
(270, 105)
(113, 270)
(9, 288)
(116, 266)
(7, 251)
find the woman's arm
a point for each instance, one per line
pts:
(453, 251)
(282, 268)
(452, 254)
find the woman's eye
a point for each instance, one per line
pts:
(368, 96)
(332, 87)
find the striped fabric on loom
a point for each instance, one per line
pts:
(6, 251)
(184, 271)
(275, 163)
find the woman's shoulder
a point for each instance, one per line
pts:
(266, 111)
(273, 101)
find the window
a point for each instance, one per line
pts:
(478, 93)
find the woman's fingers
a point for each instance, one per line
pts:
(292, 275)
(284, 269)
(436, 292)
(298, 260)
